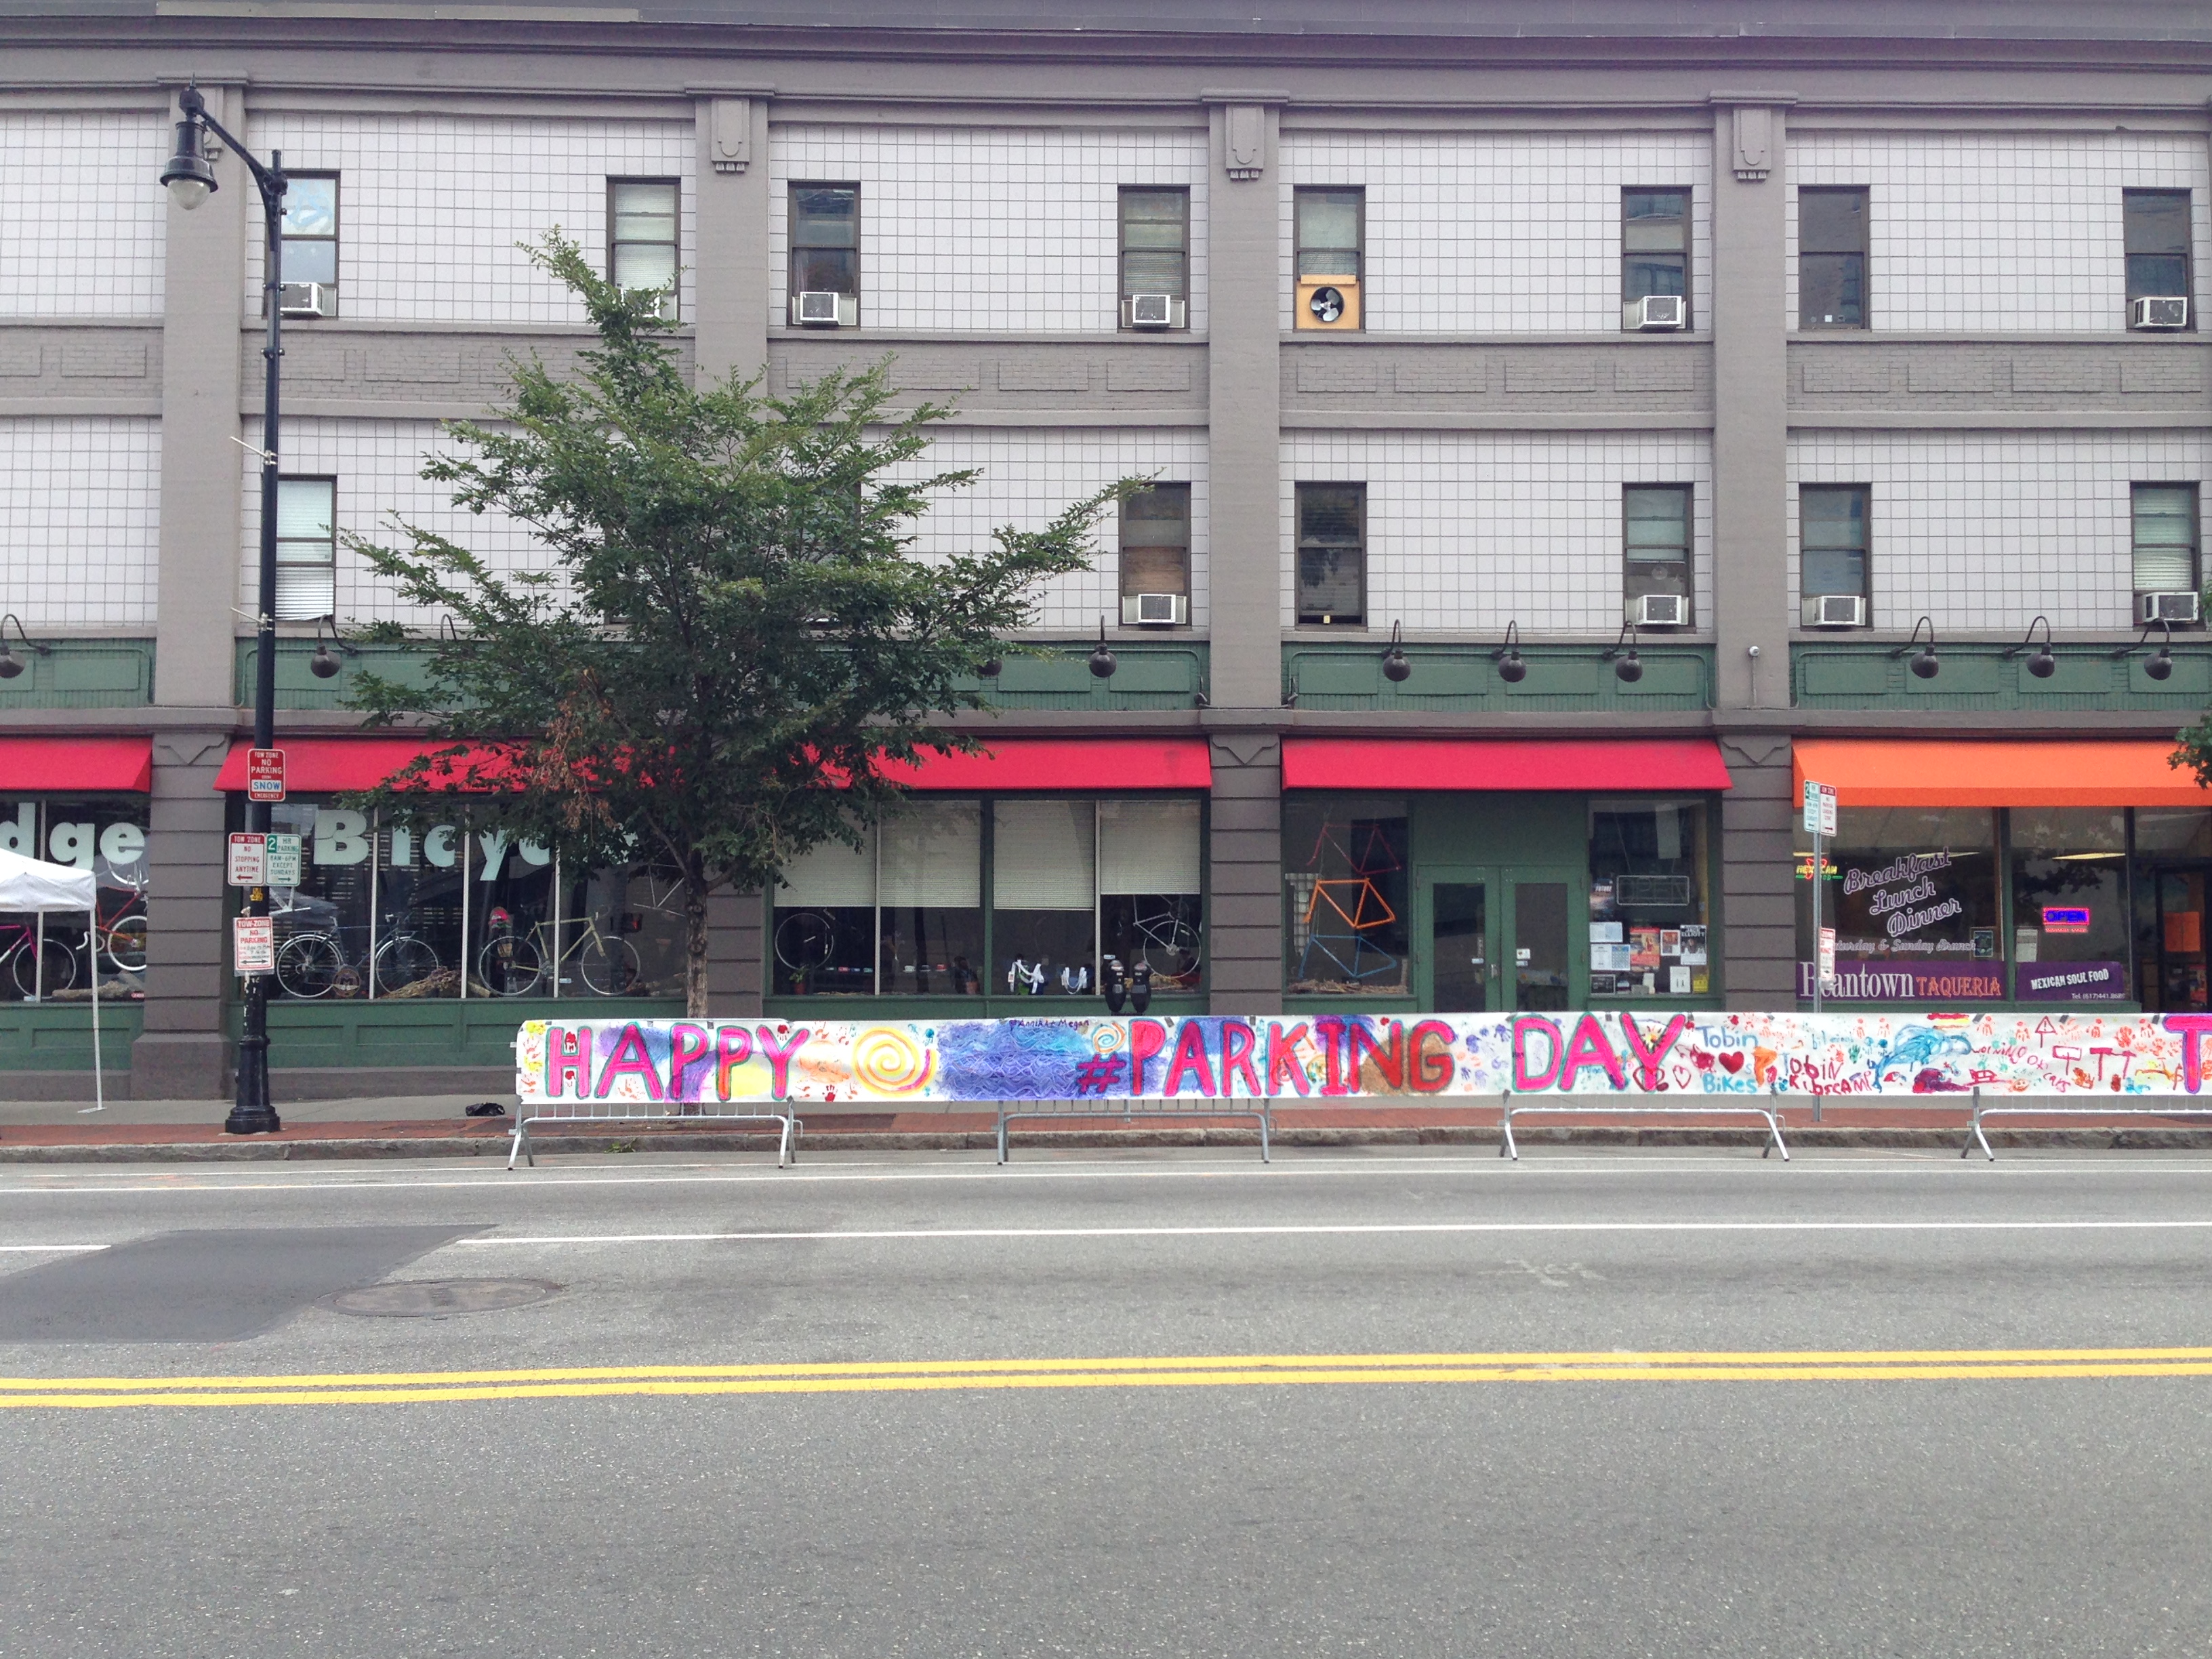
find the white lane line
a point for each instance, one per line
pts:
(1338, 1229)
(47, 1249)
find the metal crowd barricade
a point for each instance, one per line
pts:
(2086, 1109)
(1506, 1148)
(652, 1112)
(1130, 1110)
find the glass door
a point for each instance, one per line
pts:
(1459, 953)
(1548, 969)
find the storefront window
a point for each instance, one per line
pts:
(2069, 929)
(1071, 881)
(1648, 868)
(394, 911)
(1911, 894)
(105, 834)
(2173, 858)
(1346, 931)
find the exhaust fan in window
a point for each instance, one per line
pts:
(1661, 610)
(1835, 611)
(819, 309)
(307, 299)
(1654, 313)
(1155, 610)
(2155, 311)
(2152, 609)
(1153, 310)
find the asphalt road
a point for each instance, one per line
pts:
(1380, 1402)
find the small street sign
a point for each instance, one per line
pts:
(1827, 968)
(1820, 808)
(265, 774)
(253, 944)
(249, 859)
(284, 858)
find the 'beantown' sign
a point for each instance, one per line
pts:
(1357, 1056)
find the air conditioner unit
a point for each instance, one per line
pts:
(1835, 611)
(1328, 303)
(819, 309)
(1661, 610)
(1655, 313)
(1155, 610)
(2152, 609)
(2159, 311)
(1153, 311)
(307, 299)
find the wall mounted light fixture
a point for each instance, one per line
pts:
(1396, 668)
(10, 664)
(2044, 664)
(1510, 668)
(2161, 666)
(1924, 663)
(322, 666)
(1628, 666)
(1101, 661)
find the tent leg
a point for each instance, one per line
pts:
(92, 949)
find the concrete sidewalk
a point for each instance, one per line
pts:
(419, 1126)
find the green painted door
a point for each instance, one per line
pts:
(1547, 958)
(1456, 923)
(1492, 939)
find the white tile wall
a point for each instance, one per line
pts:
(1498, 233)
(1994, 230)
(986, 228)
(80, 511)
(1468, 530)
(1989, 530)
(431, 208)
(378, 466)
(1029, 477)
(82, 219)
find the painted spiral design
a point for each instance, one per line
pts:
(888, 1061)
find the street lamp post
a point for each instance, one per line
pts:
(191, 181)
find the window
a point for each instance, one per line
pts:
(306, 549)
(1347, 896)
(641, 236)
(1911, 892)
(2156, 224)
(1332, 553)
(1649, 877)
(1832, 258)
(1832, 543)
(1155, 253)
(311, 237)
(1655, 246)
(105, 834)
(2165, 539)
(2069, 884)
(1655, 543)
(825, 243)
(1331, 229)
(1154, 547)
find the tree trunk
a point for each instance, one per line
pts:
(694, 943)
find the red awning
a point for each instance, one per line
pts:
(51, 764)
(1502, 764)
(327, 765)
(1085, 765)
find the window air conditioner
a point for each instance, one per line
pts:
(307, 299)
(2159, 311)
(2152, 609)
(819, 309)
(1661, 610)
(1835, 611)
(1155, 610)
(1153, 311)
(1654, 313)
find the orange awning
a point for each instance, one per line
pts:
(1881, 772)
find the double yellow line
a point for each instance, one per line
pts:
(1192, 1371)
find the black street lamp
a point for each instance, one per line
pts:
(191, 181)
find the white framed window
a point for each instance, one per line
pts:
(306, 549)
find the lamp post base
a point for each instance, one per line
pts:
(255, 1120)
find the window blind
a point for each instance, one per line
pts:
(1147, 846)
(934, 855)
(833, 874)
(1044, 855)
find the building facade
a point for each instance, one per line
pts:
(1563, 442)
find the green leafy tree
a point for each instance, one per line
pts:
(731, 633)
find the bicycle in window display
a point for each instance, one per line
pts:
(21, 953)
(313, 961)
(511, 964)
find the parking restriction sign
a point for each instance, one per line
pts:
(265, 774)
(253, 945)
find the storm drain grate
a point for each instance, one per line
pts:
(430, 1298)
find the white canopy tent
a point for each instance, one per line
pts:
(34, 886)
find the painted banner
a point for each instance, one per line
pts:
(1326, 1057)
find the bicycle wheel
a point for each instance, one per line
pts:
(401, 960)
(510, 967)
(309, 965)
(804, 941)
(61, 967)
(610, 967)
(126, 945)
